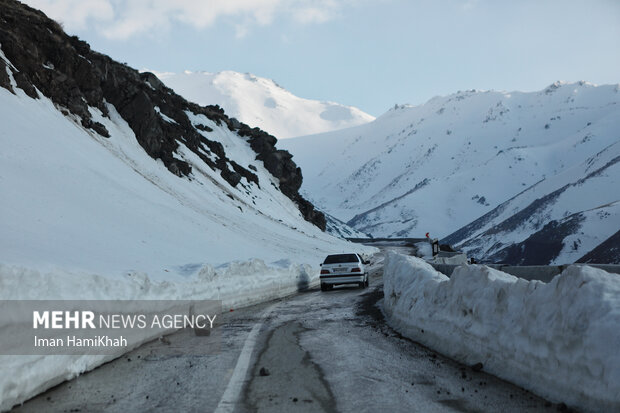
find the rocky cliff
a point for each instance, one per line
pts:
(45, 60)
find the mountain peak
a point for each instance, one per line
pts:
(262, 102)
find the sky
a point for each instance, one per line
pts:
(371, 54)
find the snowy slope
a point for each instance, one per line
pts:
(74, 199)
(556, 221)
(262, 102)
(437, 167)
(338, 228)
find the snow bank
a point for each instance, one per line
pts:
(559, 340)
(236, 284)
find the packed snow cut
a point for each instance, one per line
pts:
(559, 340)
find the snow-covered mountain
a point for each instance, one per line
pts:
(555, 221)
(105, 169)
(262, 102)
(439, 166)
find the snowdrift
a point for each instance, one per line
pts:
(559, 340)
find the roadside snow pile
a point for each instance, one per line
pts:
(228, 282)
(559, 340)
(236, 284)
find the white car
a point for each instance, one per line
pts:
(343, 269)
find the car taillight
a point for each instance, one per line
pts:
(356, 269)
(324, 271)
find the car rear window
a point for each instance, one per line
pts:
(340, 258)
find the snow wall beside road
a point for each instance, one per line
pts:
(237, 284)
(560, 340)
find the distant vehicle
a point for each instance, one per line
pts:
(340, 269)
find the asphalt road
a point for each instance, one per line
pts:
(316, 352)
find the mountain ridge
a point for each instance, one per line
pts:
(448, 165)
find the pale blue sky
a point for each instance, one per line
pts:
(369, 54)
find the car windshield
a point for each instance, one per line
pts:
(340, 258)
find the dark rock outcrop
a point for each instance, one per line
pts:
(543, 246)
(4, 77)
(66, 70)
(608, 252)
(280, 164)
